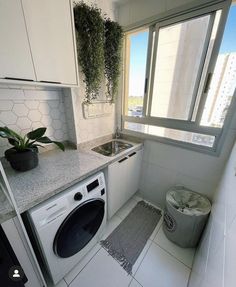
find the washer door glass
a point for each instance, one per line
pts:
(79, 228)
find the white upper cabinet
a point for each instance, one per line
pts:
(15, 55)
(49, 26)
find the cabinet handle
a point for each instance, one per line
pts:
(50, 82)
(123, 159)
(18, 79)
(132, 154)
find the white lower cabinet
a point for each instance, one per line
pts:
(17, 241)
(123, 180)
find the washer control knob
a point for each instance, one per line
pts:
(78, 196)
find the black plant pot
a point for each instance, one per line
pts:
(24, 160)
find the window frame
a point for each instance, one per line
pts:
(188, 125)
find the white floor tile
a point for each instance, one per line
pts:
(134, 283)
(138, 197)
(77, 269)
(154, 233)
(160, 269)
(102, 271)
(185, 255)
(141, 256)
(110, 226)
(125, 210)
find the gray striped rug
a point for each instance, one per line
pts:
(127, 241)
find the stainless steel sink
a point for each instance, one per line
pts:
(112, 148)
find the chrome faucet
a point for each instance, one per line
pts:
(117, 134)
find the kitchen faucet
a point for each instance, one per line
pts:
(117, 134)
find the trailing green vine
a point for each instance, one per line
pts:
(112, 52)
(89, 26)
(99, 44)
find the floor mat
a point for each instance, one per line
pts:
(127, 241)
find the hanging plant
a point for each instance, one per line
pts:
(89, 27)
(112, 52)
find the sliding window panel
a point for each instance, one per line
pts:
(179, 52)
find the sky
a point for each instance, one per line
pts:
(138, 53)
(229, 39)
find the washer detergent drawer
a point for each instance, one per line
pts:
(49, 213)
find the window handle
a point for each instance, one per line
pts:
(145, 86)
(208, 83)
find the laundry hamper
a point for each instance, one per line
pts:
(185, 216)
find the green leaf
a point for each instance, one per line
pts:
(13, 134)
(38, 133)
(13, 142)
(60, 145)
(4, 132)
(47, 140)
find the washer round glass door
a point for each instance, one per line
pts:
(79, 227)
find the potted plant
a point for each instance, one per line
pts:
(112, 53)
(89, 27)
(24, 153)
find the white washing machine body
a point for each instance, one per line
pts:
(68, 225)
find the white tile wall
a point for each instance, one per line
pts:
(25, 109)
(215, 260)
(89, 129)
(166, 165)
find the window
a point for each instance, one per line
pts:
(181, 77)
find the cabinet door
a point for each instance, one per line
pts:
(15, 55)
(135, 161)
(117, 185)
(49, 25)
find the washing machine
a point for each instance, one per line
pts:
(68, 225)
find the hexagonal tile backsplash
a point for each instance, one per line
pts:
(23, 115)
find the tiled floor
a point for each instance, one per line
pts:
(161, 263)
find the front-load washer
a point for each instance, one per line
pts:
(68, 225)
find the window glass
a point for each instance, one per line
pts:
(183, 136)
(223, 81)
(179, 53)
(136, 54)
(176, 58)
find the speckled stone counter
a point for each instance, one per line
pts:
(6, 211)
(56, 171)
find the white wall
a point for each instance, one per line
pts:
(25, 108)
(89, 129)
(215, 260)
(134, 11)
(166, 165)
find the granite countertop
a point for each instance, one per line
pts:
(56, 171)
(6, 210)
